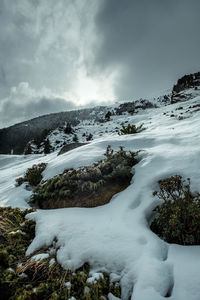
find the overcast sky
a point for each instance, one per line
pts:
(63, 54)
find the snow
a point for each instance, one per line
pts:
(116, 237)
(186, 266)
(94, 277)
(17, 231)
(68, 285)
(12, 167)
(112, 297)
(40, 256)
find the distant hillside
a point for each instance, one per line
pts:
(15, 138)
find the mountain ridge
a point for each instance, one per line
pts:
(15, 138)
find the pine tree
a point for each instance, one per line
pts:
(75, 138)
(47, 146)
(27, 149)
(68, 129)
(107, 116)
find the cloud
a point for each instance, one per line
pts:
(89, 51)
(150, 43)
(48, 44)
(41, 42)
(25, 103)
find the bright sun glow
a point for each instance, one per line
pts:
(87, 89)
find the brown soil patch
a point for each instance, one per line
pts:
(97, 198)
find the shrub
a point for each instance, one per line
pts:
(88, 186)
(16, 233)
(177, 219)
(75, 138)
(89, 137)
(68, 129)
(107, 116)
(28, 149)
(130, 129)
(33, 175)
(24, 278)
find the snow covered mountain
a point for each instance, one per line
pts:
(16, 138)
(116, 238)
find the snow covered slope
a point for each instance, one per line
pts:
(116, 237)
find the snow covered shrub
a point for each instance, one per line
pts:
(33, 175)
(24, 277)
(178, 217)
(89, 137)
(130, 129)
(88, 186)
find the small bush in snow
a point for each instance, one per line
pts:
(33, 175)
(47, 146)
(89, 137)
(26, 277)
(130, 129)
(178, 217)
(107, 116)
(28, 149)
(68, 129)
(75, 138)
(88, 186)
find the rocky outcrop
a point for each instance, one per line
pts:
(70, 147)
(184, 83)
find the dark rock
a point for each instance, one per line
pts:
(71, 146)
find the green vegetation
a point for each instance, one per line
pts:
(131, 129)
(25, 278)
(33, 175)
(88, 186)
(16, 233)
(40, 139)
(178, 217)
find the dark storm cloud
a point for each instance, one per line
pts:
(151, 42)
(33, 43)
(91, 49)
(41, 43)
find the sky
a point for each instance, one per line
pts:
(67, 54)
